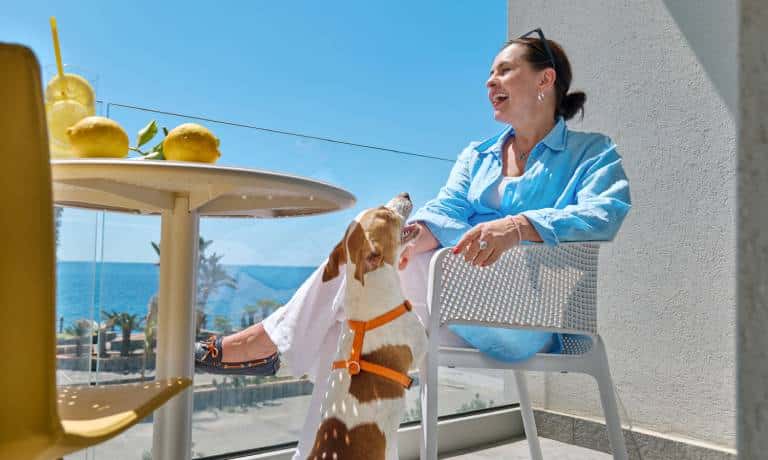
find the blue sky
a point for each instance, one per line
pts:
(399, 74)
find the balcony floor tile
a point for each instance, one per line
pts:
(518, 450)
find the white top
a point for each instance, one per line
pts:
(494, 196)
(149, 187)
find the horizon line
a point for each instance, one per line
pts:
(157, 263)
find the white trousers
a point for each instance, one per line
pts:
(307, 328)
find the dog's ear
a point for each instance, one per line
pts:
(337, 258)
(359, 248)
(362, 253)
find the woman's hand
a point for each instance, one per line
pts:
(424, 241)
(486, 242)
(405, 257)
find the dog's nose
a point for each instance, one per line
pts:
(405, 195)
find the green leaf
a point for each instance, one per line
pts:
(165, 130)
(147, 133)
(154, 156)
(156, 153)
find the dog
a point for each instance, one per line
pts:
(365, 401)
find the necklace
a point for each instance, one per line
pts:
(520, 156)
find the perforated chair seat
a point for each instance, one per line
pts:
(95, 412)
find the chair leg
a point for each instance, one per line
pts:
(428, 387)
(529, 423)
(608, 400)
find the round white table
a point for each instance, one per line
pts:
(181, 192)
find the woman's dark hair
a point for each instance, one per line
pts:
(566, 104)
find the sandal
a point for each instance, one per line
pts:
(208, 359)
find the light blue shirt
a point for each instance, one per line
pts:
(573, 188)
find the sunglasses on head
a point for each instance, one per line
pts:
(544, 42)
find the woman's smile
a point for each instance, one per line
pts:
(497, 98)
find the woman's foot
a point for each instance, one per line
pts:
(248, 352)
(250, 344)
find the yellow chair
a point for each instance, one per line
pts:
(39, 420)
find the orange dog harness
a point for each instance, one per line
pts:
(354, 364)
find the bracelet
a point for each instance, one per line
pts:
(517, 227)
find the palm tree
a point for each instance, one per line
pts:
(80, 329)
(150, 331)
(222, 324)
(211, 276)
(249, 315)
(267, 307)
(127, 323)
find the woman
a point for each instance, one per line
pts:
(537, 182)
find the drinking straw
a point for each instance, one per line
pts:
(57, 50)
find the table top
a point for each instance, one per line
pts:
(149, 187)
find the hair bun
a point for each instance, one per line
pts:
(572, 104)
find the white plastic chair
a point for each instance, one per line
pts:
(533, 287)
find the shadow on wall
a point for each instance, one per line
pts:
(712, 32)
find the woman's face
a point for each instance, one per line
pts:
(513, 86)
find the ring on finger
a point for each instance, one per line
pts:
(483, 245)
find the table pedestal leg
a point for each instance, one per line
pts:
(176, 328)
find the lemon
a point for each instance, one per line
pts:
(98, 137)
(62, 115)
(73, 87)
(191, 142)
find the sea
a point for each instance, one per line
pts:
(84, 289)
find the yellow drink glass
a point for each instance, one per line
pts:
(67, 101)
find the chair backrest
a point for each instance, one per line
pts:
(27, 269)
(530, 286)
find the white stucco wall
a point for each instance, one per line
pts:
(667, 305)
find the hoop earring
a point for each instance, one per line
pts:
(541, 97)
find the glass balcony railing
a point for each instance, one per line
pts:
(107, 281)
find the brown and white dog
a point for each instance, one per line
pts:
(365, 400)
